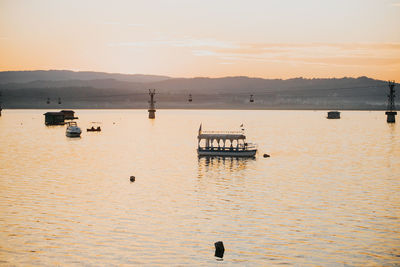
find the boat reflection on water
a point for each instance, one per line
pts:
(222, 164)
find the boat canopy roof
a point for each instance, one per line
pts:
(72, 123)
(226, 135)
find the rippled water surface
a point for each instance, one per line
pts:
(328, 195)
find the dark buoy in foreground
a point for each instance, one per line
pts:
(132, 179)
(219, 249)
(266, 156)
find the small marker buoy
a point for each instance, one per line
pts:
(219, 249)
(266, 156)
(132, 179)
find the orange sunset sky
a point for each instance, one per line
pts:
(214, 38)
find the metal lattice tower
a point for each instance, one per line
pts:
(391, 109)
(391, 96)
(0, 103)
(152, 109)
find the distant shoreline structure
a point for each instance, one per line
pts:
(145, 109)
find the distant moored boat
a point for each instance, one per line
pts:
(95, 127)
(333, 115)
(73, 130)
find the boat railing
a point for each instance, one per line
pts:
(227, 148)
(233, 149)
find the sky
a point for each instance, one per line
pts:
(204, 38)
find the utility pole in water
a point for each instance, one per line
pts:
(0, 104)
(391, 109)
(152, 109)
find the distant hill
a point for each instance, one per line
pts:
(63, 75)
(30, 89)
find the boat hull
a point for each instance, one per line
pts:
(227, 153)
(69, 134)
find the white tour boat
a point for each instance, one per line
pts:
(73, 130)
(233, 144)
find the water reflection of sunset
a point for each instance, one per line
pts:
(221, 164)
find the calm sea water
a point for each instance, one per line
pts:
(329, 195)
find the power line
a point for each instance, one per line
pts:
(254, 95)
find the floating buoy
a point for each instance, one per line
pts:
(219, 249)
(266, 156)
(132, 179)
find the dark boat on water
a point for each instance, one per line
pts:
(333, 114)
(92, 129)
(95, 127)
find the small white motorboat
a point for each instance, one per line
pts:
(73, 130)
